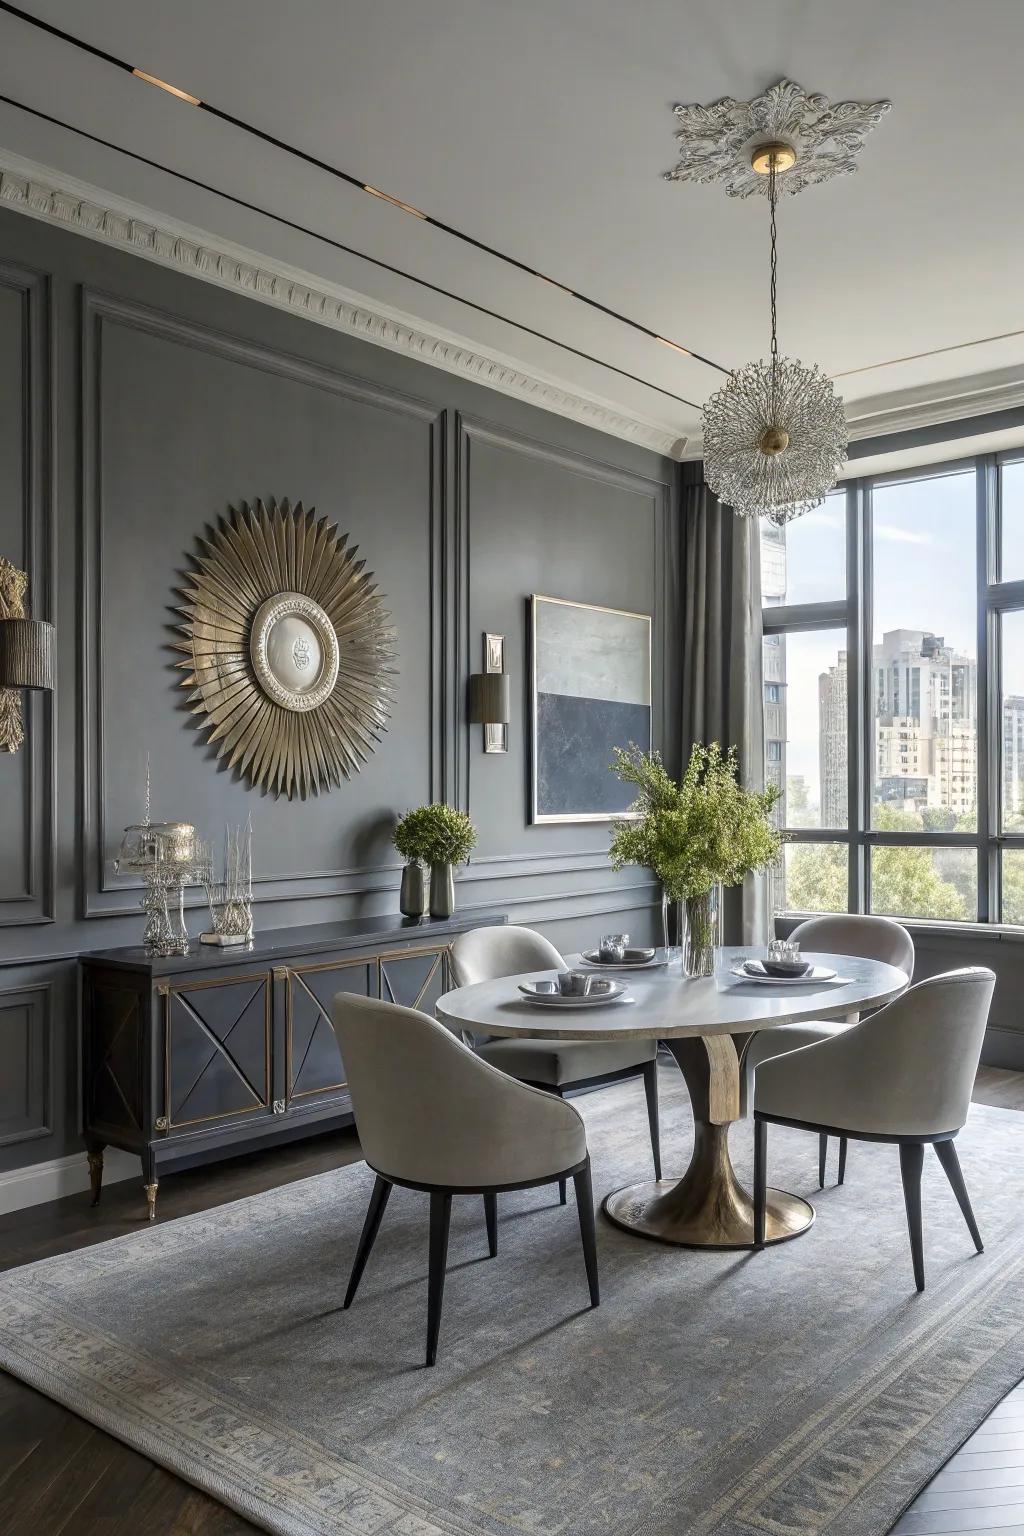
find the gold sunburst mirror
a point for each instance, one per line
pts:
(287, 649)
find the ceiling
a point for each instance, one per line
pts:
(542, 127)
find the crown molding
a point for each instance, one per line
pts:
(930, 405)
(44, 193)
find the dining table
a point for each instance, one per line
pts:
(707, 1023)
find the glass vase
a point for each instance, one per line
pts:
(700, 933)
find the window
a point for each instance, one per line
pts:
(896, 727)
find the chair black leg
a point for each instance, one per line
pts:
(844, 1142)
(822, 1158)
(651, 1090)
(440, 1218)
(368, 1236)
(760, 1179)
(911, 1164)
(946, 1154)
(585, 1208)
(491, 1217)
(561, 1191)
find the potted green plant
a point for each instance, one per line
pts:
(697, 836)
(440, 836)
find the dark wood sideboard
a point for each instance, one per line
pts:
(222, 1051)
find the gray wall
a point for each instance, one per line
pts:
(135, 406)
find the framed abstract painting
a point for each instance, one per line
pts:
(590, 693)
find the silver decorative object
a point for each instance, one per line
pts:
(717, 141)
(230, 899)
(169, 856)
(775, 434)
(287, 649)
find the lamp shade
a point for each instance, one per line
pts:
(489, 699)
(26, 653)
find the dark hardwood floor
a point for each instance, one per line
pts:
(60, 1476)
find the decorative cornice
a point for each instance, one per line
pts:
(50, 195)
(929, 405)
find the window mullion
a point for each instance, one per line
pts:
(988, 712)
(859, 758)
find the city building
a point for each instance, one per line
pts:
(833, 728)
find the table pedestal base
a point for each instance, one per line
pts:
(707, 1207)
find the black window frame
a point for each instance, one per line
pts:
(853, 616)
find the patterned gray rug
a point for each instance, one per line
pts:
(805, 1391)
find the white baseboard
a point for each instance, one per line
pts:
(40, 1182)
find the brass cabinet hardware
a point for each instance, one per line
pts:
(279, 1106)
(162, 1123)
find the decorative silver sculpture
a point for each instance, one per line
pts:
(287, 649)
(230, 899)
(169, 857)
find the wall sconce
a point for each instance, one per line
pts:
(26, 654)
(490, 696)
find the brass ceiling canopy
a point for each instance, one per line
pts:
(287, 649)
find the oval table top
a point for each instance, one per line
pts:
(668, 1005)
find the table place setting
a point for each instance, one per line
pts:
(615, 954)
(575, 989)
(783, 965)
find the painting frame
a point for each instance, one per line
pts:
(641, 639)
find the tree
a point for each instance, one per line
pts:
(905, 881)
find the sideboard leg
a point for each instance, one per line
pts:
(151, 1190)
(94, 1154)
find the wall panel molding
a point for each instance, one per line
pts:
(38, 757)
(98, 896)
(28, 1107)
(472, 430)
(44, 193)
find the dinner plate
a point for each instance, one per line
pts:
(591, 959)
(539, 992)
(817, 973)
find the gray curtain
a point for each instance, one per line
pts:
(719, 600)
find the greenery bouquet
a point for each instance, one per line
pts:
(440, 836)
(703, 833)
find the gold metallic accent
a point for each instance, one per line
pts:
(13, 587)
(295, 974)
(774, 440)
(95, 1161)
(707, 1207)
(281, 569)
(172, 90)
(162, 1123)
(674, 345)
(163, 989)
(151, 1190)
(280, 973)
(396, 202)
(778, 157)
(198, 986)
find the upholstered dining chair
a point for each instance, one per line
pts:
(904, 1075)
(867, 938)
(431, 1115)
(487, 954)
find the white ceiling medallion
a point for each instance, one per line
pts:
(717, 142)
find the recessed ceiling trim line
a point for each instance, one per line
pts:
(346, 176)
(339, 245)
(43, 193)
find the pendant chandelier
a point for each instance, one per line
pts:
(775, 434)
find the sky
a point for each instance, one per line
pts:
(924, 578)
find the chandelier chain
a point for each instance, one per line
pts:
(772, 203)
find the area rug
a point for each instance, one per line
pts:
(804, 1391)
